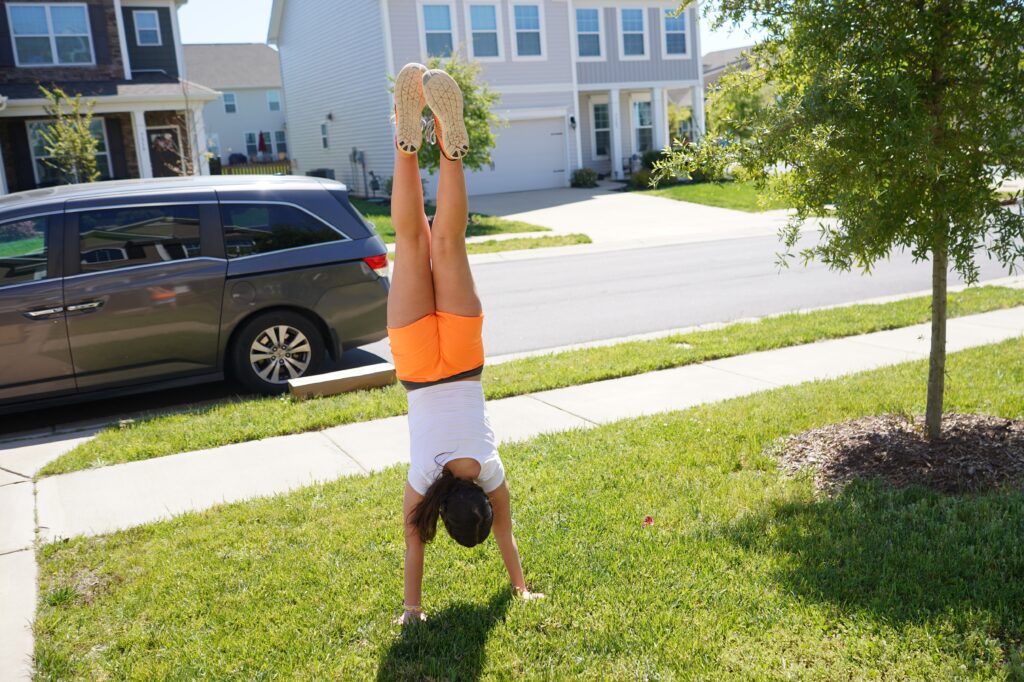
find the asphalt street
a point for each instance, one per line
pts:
(555, 301)
(548, 302)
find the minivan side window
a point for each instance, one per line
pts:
(123, 237)
(23, 250)
(255, 228)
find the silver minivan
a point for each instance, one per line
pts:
(118, 287)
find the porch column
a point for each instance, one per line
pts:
(698, 112)
(141, 143)
(200, 162)
(616, 124)
(659, 118)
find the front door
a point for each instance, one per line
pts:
(165, 152)
(35, 361)
(146, 302)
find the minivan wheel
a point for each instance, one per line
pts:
(274, 347)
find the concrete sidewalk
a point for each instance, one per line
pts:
(122, 496)
(115, 497)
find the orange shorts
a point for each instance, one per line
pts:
(436, 347)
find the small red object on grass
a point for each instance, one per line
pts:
(648, 521)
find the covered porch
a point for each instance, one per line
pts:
(143, 130)
(618, 125)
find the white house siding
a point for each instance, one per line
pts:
(615, 70)
(252, 116)
(555, 68)
(333, 61)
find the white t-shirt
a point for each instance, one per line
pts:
(446, 422)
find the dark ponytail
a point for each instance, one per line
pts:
(462, 504)
(424, 515)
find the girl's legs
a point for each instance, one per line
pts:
(454, 289)
(412, 287)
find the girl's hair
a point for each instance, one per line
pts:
(461, 504)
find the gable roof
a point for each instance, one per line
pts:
(719, 59)
(233, 65)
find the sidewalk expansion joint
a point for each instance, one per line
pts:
(15, 473)
(342, 450)
(26, 548)
(562, 409)
(707, 364)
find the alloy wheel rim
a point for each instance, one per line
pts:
(280, 353)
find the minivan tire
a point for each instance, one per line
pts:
(283, 338)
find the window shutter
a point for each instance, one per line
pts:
(6, 49)
(100, 37)
(115, 145)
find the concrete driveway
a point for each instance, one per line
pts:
(608, 216)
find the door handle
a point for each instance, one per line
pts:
(44, 312)
(87, 305)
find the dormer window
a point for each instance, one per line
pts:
(147, 28)
(51, 35)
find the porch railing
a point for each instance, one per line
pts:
(280, 168)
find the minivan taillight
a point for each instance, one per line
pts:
(378, 264)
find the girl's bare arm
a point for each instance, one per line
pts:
(413, 559)
(501, 526)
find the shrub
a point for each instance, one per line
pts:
(649, 157)
(641, 179)
(584, 177)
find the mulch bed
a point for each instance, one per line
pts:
(976, 453)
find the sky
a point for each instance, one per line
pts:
(246, 21)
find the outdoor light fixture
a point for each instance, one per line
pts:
(572, 122)
(330, 116)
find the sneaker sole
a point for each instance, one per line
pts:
(409, 103)
(445, 101)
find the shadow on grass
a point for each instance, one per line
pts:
(448, 646)
(909, 556)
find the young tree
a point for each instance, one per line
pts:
(68, 138)
(480, 118)
(899, 117)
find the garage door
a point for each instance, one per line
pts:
(528, 155)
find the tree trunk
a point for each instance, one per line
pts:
(937, 359)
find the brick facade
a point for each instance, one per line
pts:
(107, 48)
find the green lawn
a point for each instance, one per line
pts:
(21, 247)
(479, 224)
(521, 243)
(249, 418)
(744, 575)
(740, 196)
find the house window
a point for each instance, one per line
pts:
(147, 28)
(323, 135)
(274, 100)
(588, 32)
(437, 26)
(634, 37)
(483, 24)
(644, 126)
(47, 174)
(602, 129)
(213, 144)
(675, 35)
(47, 35)
(527, 24)
(252, 145)
(280, 143)
(230, 103)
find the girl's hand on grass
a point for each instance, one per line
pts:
(526, 595)
(411, 617)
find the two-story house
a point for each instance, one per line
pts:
(124, 57)
(248, 77)
(583, 83)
